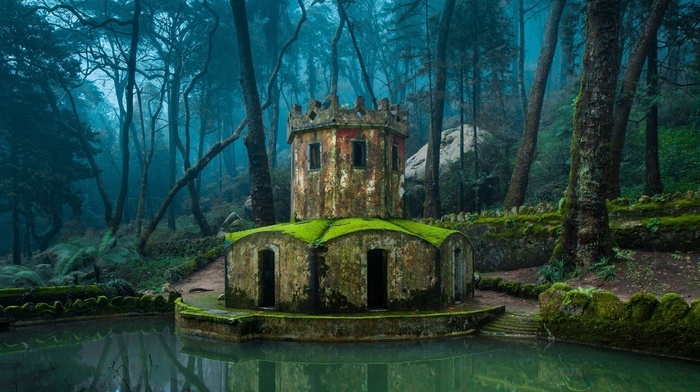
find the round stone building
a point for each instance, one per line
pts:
(347, 249)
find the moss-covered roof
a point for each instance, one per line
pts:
(321, 231)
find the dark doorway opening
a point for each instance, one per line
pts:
(459, 274)
(376, 279)
(267, 272)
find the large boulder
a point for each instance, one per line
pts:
(449, 150)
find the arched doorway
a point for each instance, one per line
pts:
(266, 266)
(459, 274)
(376, 279)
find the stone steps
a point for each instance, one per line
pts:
(512, 325)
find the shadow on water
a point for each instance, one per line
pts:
(144, 355)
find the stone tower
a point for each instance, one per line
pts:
(347, 162)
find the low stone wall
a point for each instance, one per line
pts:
(240, 326)
(643, 323)
(525, 237)
(99, 306)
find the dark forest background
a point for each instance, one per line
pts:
(123, 119)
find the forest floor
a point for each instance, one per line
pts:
(655, 272)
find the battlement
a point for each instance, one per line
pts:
(331, 114)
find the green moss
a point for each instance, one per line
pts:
(528, 291)
(575, 302)
(432, 234)
(642, 323)
(561, 286)
(320, 231)
(307, 231)
(60, 293)
(672, 308)
(694, 312)
(485, 283)
(237, 298)
(607, 305)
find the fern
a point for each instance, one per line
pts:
(12, 276)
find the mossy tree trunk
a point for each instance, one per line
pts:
(260, 187)
(533, 111)
(586, 234)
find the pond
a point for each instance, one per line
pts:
(144, 354)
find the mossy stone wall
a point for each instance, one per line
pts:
(243, 274)
(668, 326)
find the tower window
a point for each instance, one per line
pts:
(314, 156)
(394, 157)
(359, 153)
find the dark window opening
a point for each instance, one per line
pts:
(459, 274)
(314, 156)
(359, 153)
(267, 274)
(394, 157)
(376, 279)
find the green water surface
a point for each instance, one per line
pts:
(145, 355)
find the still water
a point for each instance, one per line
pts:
(145, 355)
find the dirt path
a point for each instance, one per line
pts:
(210, 278)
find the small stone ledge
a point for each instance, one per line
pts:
(239, 326)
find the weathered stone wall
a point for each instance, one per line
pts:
(338, 189)
(453, 248)
(411, 271)
(643, 323)
(291, 272)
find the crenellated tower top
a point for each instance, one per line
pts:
(347, 162)
(331, 114)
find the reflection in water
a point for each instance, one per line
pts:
(144, 355)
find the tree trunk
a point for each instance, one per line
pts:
(476, 89)
(27, 239)
(274, 125)
(16, 249)
(586, 234)
(629, 84)
(652, 173)
(218, 147)
(521, 57)
(334, 60)
(43, 240)
(260, 187)
(432, 163)
(365, 75)
(129, 96)
(173, 135)
(528, 142)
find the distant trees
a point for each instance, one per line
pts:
(40, 160)
(528, 141)
(628, 86)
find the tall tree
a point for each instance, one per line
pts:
(586, 233)
(628, 86)
(192, 173)
(652, 170)
(528, 141)
(432, 164)
(260, 187)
